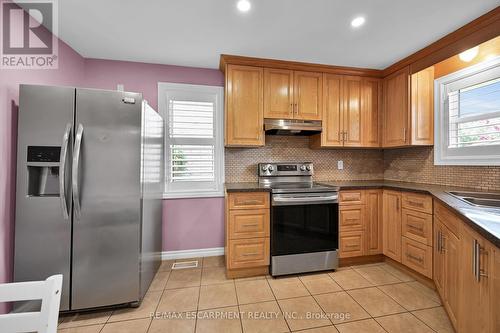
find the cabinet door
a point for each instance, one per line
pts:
(352, 217)
(371, 111)
(352, 111)
(422, 107)
(278, 93)
(396, 107)
(451, 249)
(438, 270)
(495, 291)
(333, 108)
(351, 244)
(244, 106)
(308, 95)
(373, 222)
(392, 224)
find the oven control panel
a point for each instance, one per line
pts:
(285, 169)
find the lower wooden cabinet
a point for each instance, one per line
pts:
(373, 222)
(248, 253)
(392, 224)
(417, 226)
(351, 244)
(417, 256)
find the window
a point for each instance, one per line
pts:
(194, 144)
(468, 116)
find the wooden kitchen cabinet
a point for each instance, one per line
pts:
(244, 125)
(408, 108)
(373, 222)
(450, 246)
(351, 116)
(351, 244)
(352, 217)
(278, 93)
(308, 95)
(392, 224)
(416, 256)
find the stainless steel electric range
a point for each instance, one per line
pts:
(304, 219)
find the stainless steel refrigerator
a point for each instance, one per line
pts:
(89, 193)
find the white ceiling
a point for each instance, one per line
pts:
(196, 32)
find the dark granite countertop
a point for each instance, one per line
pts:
(484, 221)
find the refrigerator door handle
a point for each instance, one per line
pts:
(75, 171)
(62, 171)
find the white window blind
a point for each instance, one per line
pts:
(194, 156)
(468, 116)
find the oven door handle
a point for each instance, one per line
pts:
(298, 200)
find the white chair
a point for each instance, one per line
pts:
(45, 321)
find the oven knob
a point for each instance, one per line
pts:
(264, 167)
(302, 168)
(270, 168)
(308, 168)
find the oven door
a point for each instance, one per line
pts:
(304, 223)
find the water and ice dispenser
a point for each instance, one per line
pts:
(43, 171)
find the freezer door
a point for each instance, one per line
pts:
(43, 197)
(106, 198)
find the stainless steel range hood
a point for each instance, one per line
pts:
(292, 127)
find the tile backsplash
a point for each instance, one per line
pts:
(359, 164)
(415, 164)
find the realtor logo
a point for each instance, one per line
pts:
(28, 32)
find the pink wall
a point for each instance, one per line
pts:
(70, 72)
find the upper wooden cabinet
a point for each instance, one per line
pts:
(244, 106)
(350, 112)
(408, 108)
(292, 94)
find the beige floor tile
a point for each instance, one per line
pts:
(320, 284)
(183, 278)
(216, 261)
(86, 318)
(260, 277)
(435, 318)
(217, 296)
(350, 279)
(367, 265)
(129, 326)
(341, 307)
(403, 322)
(377, 275)
(214, 275)
(159, 281)
(431, 293)
(287, 287)
(262, 318)
(253, 291)
(375, 302)
(82, 329)
(179, 300)
(182, 323)
(409, 297)
(361, 326)
(303, 312)
(219, 321)
(396, 272)
(148, 305)
(166, 265)
(325, 329)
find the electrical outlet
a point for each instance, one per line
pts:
(340, 165)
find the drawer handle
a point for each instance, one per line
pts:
(351, 246)
(416, 204)
(251, 202)
(421, 229)
(250, 254)
(250, 225)
(419, 259)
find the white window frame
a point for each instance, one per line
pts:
(471, 156)
(190, 190)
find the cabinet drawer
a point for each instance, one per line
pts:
(447, 217)
(352, 217)
(247, 253)
(248, 223)
(417, 256)
(351, 244)
(417, 226)
(351, 198)
(248, 200)
(419, 202)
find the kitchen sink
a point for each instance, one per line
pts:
(480, 199)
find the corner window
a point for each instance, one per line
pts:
(468, 116)
(194, 156)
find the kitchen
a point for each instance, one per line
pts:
(360, 190)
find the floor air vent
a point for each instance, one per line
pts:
(185, 264)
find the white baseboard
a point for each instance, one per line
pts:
(195, 253)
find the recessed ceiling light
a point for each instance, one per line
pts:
(358, 21)
(469, 54)
(244, 5)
